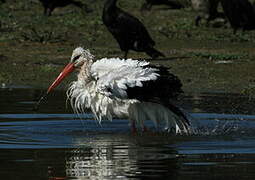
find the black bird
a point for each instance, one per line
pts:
(207, 10)
(50, 5)
(172, 3)
(240, 14)
(129, 32)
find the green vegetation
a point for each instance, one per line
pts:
(218, 56)
(37, 47)
(43, 36)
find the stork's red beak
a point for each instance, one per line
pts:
(67, 70)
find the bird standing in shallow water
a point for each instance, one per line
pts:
(129, 32)
(119, 88)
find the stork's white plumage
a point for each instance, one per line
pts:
(119, 88)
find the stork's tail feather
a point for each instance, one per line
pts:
(169, 117)
(179, 113)
(181, 119)
(154, 53)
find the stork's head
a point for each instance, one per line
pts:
(79, 57)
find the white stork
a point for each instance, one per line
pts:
(124, 88)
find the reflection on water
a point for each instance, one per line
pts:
(53, 143)
(110, 157)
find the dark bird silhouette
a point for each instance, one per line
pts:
(50, 5)
(129, 32)
(171, 3)
(240, 13)
(207, 9)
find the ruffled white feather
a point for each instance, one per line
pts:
(104, 93)
(115, 75)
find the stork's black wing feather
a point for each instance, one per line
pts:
(162, 90)
(167, 86)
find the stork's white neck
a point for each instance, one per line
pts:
(84, 72)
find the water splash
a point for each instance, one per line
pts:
(223, 124)
(36, 107)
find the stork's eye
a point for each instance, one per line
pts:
(76, 57)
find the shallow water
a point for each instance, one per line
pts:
(54, 143)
